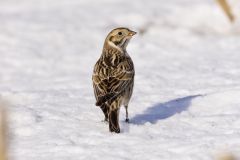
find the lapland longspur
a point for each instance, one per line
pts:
(113, 76)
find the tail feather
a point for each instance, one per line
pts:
(113, 121)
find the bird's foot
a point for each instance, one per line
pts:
(127, 120)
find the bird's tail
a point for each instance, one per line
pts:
(113, 121)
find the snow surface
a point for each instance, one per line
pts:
(185, 105)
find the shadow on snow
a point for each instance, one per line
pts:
(163, 110)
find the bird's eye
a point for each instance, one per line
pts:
(119, 33)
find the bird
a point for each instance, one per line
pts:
(113, 76)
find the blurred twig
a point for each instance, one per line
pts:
(143, 29)
(226, 156)
(3, 155)
(227, 9)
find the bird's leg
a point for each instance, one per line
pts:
(105, 109)
(126, 107)
(113, 121)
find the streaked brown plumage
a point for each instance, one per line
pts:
(113, 76)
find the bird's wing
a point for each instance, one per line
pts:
(108, 84)
(98, 78)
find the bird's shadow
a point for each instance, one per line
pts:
(163, 110)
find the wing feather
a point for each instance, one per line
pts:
(108, 83)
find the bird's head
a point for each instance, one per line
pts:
(119, 38)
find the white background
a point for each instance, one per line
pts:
(186, 101)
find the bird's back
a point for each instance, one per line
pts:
(113, 76)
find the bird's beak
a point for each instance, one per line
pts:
(132, 33)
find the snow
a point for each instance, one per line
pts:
(186, 98)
